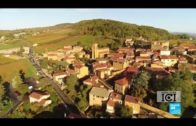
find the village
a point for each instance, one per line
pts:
(109, 74)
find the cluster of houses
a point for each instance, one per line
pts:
(68, 54)
(112, 98)
(159, 60)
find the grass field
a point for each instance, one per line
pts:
(9, 70)
(85, 41)
(5, 60)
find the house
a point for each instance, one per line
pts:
(54, 55)
(59, 76)
(160, 45)
(81, 54)
(120, 64)
(69, 59)
(169, 61)
(115, 56)
(129, 42)
(40, 97)
(98, 66)
(191, 49)
(103, 73)
(81, 70)
(115, 99)
(125, 50)
(145, 53)
(182, 59)
(26, 50)
(159, 73)
(121, 85)
(179, 50)
(130, 72)
(99, 52)
(92, 81)
(165, 52)
(98, 96)
(142, 59)
(67, 50)
(157, 64)
(133, 103)
(77, 49)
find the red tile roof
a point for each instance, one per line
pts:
(192, 48)
(122, 81)
(182, 59)
(38, 94)
(168, 57)
(131, 69)
(125, 50)
(92, 80)
(78, 65)
(52, 54)
(59, 73)
(131, 99)
(158, 71)
(100, 65)
(115, 96)
(111, 103)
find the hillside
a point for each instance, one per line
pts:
(84, 32)
(121, 30)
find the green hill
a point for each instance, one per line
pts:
(121, 30)
(85, 32)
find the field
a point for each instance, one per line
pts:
(86, 41)
(9, 68)
(5, 60)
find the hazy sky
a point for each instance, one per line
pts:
(173, 20)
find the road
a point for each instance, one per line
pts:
(158, 111)
(69, 104)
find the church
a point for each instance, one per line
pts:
(99, 52)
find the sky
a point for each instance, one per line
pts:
(173, 20)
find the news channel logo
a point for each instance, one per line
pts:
(168, 96)
(175, 108)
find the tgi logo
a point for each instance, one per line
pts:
(168, 96)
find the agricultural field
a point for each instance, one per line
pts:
(10, 68)
(5, 60)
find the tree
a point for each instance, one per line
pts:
(71, 81)
(126, 111)
(140, 84)
(77, 56)
(44, 63)
(178, 81)
(22, 75)
(1, 88)
(62, 65)
(78, 43)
